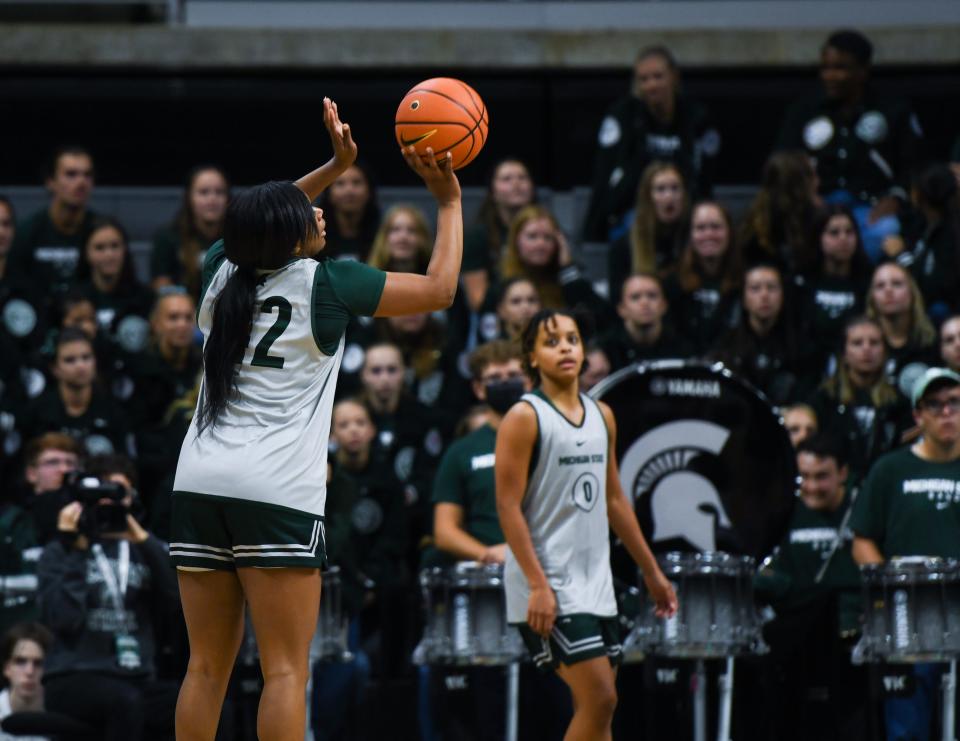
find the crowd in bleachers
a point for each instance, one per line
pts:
(837, 288)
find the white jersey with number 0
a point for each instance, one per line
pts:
(565, 507)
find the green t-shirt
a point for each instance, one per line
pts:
(466, 478)
(790, 583)
(910, 507)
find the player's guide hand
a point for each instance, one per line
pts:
(344, 147)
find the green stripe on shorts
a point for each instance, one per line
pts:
(574, 638)
(225, 533)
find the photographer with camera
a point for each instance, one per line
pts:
(102, 584)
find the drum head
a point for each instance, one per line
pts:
(704, 457)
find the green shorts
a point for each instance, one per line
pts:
(574, 638)
(210, 532)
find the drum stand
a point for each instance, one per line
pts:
(513, 700)
(726, 702)
(949, 688)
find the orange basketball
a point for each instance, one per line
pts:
(444, 114)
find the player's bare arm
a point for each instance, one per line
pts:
(865, 551)
(623, 522)
(409, 293)
(515, 440)
(449, 535)
(344, 154)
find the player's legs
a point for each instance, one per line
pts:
(284, 605)
(213, 610)
(593, 686)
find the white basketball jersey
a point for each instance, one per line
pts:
(270, 443)
(565, 507)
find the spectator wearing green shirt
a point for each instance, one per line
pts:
(466, 528)
(910, 506)
(814, 586)
(465, 524)
(47, 245)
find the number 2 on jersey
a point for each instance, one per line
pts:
(261, 356)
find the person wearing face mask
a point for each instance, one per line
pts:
(465, 525)
(642, 334)
(703, 290)
(510, 188)
(950, 343)
(179, 249)
(833, 287)
(813, 585)
(863, 143)
(654, 122)
(857, 403)
(764, 349)
(660, 222)
(48, 243)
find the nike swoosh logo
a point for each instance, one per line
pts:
(580, 442)
(417, 139)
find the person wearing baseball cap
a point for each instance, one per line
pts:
(910, 506)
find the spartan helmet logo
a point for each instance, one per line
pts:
(683, 503)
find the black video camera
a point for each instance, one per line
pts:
(104, 511)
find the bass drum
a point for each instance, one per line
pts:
(704, 457)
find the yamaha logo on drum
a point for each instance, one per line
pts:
(685, 387)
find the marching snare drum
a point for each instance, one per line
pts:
(911, 610)
(330, 639)
(716, 618)
(466, 617)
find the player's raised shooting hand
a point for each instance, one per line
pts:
(439, 177)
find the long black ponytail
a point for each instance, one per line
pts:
(261, 230)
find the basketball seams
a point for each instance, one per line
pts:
(435, 123)
(444, 95)
(472, 95)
